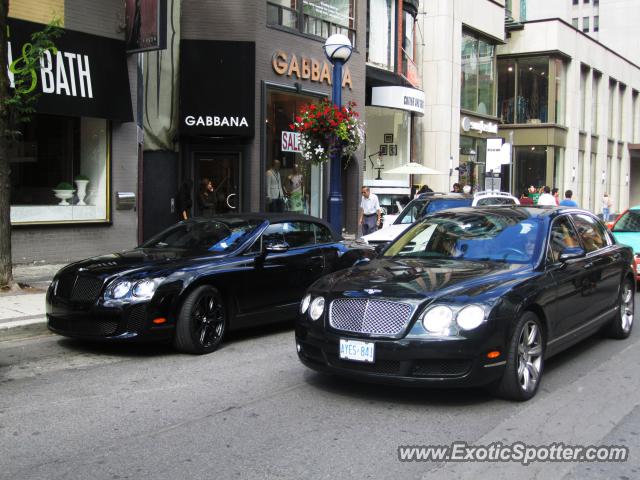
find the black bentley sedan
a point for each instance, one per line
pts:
(471, 296)
(198, 278)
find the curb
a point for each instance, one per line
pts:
(23, 327)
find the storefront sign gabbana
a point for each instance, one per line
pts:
(307, 68)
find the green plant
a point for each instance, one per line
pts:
(81, 177)
(64, 186)
(327, 129)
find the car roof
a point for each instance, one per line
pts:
(267, 216)
(446, 196)
(491, 193)
(532, 210)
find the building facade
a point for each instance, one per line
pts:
(79, 151)
(570, 104)
(461, 41)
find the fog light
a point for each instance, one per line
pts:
(159, 320)
(493, 354)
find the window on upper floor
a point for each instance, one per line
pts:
(574, 22)
(478, 80)
(596, 2)
(596, 23)
(585, 1)
(575, 2)
(320, 18)
(585, 24)
(381, 33)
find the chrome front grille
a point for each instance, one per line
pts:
(369, 316)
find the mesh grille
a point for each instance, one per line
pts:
(65, 286)
(440, 368)
(369, 316)
(137, 317)
(86, 289)
(84, 327)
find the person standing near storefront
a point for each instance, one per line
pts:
(556, 194)
(525, 199)
(370, 211)
(275, 193)
(568, 201)
(546, 198)
(606, 206)
(206, 198)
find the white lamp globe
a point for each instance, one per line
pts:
(338, 47)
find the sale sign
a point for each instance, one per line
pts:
(290, 142)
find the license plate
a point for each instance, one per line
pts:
(356, 351)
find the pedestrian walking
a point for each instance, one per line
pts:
(546, 198)
(606, 206)
(568, 201)
(525, 199)
(370, 211)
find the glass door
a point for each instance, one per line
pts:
(222, 169)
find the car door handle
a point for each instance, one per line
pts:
(617, 257)
(588, 266)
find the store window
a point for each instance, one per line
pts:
(527, 100)
(59, 170)
(290, 184)
(381, 32)
(478, 75)
(321, 18)
(388, 143)
(531, 167)
(473, 161)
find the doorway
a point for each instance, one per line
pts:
(223, 169)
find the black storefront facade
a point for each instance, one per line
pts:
(63, 161)
(241, 86)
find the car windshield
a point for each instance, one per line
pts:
(418, 208)
(629, 222)
(205, 235)
(510, 237)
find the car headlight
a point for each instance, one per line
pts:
(470, 317)
(119, 289)
(317, 308)
(304, 305)
(144, 289)
(437, 319)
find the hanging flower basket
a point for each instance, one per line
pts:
(327, 129)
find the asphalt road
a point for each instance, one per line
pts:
(74, 410)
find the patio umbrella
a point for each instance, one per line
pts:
(413, 168)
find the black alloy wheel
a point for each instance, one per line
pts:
(622, 323)
(202, 321)
(525, 360)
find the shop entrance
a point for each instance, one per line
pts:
(223, 170)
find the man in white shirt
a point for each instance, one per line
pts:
(275, 192)
(370, 211)
(546, 198)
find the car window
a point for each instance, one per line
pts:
(591, 232)
(323, 234)
(299, 234)
(438, 204)
(411, 212)
(628, 222)
(562, 236)
(273, 234)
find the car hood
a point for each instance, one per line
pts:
(387, 234)
(424, 278)
(139, 260)
(629, 238)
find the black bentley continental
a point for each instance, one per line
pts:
(471, 296)
(197, 279)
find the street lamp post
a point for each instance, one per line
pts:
(338, 49)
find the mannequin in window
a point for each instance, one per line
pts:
(275, 192)
(295, 184)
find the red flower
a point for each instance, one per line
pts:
(292, 126)
(298, 118)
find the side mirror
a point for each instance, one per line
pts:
(276, 247)
(361, 261)
(570, 253)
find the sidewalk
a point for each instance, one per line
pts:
(23, 313)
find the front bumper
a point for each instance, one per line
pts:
(405, 361)
(94, 321)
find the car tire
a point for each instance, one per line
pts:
(622, 323)
(202, 321)
(525, 360)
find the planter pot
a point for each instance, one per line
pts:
(63, 195)
(82, 190)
